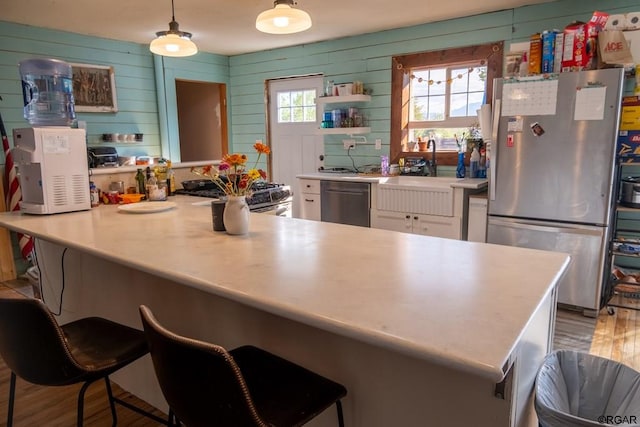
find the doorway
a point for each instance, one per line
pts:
(296, 147)
(202, 120)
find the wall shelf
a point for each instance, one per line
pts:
(323, 100)
(343, 131)
(617, 285)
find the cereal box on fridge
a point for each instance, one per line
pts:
(580, 43)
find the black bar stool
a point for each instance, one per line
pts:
(40, 351)
(207, 385)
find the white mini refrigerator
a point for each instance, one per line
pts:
(52, 169)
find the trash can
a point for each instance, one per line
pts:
(578, 389)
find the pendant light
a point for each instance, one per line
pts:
(283, 19)
(173, 42)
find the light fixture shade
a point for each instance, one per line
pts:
(283, 19)
(173, 44)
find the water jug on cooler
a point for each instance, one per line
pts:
(47, 89)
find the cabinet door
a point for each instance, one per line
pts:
(306, 200)
(311, 186)
(394, 221)
(477, 225)
(310, 207)
(437, 226)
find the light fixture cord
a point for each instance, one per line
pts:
(173, 14)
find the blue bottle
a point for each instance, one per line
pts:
(460, 170)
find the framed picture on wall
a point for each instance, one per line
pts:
(94, 88)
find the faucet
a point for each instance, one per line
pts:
(431, 164)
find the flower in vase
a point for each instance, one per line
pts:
(232, 175)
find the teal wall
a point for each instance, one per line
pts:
(368, 58)
(140, 98)
(135, 83)
(146, 93)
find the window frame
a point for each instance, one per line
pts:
(492, 56)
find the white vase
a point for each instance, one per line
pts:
(236, 215)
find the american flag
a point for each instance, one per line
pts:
(13, 193)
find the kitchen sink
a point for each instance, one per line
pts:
(419, 181)
(416, 194)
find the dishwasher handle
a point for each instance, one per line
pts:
(349, 192)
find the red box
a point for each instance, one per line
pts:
(581, 43)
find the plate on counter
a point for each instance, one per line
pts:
(146, 207)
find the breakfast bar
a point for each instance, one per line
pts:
(420, 330)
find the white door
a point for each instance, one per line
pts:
(295, 145)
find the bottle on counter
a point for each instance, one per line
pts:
(482, 166)
(151, 183)
(474, 162)
(140, 181)
(384, 165)
(171, 180)
(94, 195)
(460, 168)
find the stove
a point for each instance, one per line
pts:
(336, 170)
(266, 196)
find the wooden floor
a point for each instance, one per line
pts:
(616, 337)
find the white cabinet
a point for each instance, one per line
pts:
(307, 200)
(427, 225)
(428, 210)
(477, 228)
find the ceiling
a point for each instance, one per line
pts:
(228, 27)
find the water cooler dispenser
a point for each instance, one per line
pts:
(52, 169)
(51, 156)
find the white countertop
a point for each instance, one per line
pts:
(459, 304)
(402, 180)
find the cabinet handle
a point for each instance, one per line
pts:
(308, 186)
(309, 200)
(415, 218)
(408, 217)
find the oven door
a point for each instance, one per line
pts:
(278, 209)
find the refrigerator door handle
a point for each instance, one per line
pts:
(494, 149)
(573, 229)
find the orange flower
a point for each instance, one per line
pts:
(261, 148)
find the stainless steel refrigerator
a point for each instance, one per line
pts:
(552, 170)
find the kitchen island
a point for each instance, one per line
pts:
(434, 332)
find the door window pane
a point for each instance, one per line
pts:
(297, 106)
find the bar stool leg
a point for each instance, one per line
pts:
(79, 421)
(12, 397)
(112, 403)
(340, 417)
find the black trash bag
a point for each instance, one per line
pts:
(575, 389)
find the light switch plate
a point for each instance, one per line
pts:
(378, 144)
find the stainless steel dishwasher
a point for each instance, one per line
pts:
(345, 202)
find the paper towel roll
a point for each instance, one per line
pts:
(632, 21)
(484, 118)
(616, 22)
